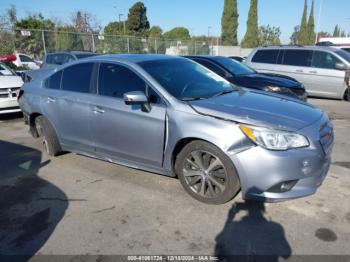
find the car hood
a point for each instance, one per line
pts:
(259, 108)
(260, 81)
(10, 81)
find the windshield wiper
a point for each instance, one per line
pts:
(193, 98)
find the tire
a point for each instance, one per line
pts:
(216, 170)
(48, 136)
(347, 95)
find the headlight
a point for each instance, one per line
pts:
(274, 139)
(273, 89)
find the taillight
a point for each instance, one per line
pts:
(19, 93)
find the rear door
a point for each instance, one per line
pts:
(326, 81)
(296, 63)
(68, 107)
(126, 132)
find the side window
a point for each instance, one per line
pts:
(54, 81)
(116, 80)
(266, 56)
(77, 78)
(25, 58)
(211, 67)
(324, 60)
(297, 57)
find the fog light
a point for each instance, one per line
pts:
(283, 186)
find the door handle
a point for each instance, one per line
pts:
(299, 71)
(313, 72)
(51, 100)
(98, 110)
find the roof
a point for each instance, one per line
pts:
(134, 58)
(325, 48)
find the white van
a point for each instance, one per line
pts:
(324, 71)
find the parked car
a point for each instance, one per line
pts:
(241, 75)
(23, 60)
(52, 60)
(323, 70)
(10, 84)
(172, 116)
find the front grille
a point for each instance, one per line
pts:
(326, 136)
(9, 92)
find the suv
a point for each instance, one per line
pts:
(172, 116)
(323, 70)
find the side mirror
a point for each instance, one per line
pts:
(341, 66)
(135, 98)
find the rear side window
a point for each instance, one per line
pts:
(25, 58)
(324, 60)
(297, 57)
(266, 56)
(59, 59)
(77, 78)
(54, 81)
(116, 80)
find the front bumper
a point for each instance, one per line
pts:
(263, 173)
(9, 105)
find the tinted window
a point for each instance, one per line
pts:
(54, 81)
(211, 66)
(77, 78)
(343, 54)
(324, 60)
(25, 58)
(115, 80)
(186, 80)
(81, 56)
(234, 67)
(297, 57)
(266, 56)
(346, 49)
(59, 59)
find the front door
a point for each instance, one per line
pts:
(127, 132)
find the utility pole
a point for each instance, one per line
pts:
(210, 46)
(319, 20)
(120, 15)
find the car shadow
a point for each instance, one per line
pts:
(11, 116)
(30, 207)
(251, 238)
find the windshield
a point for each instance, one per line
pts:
(344, 55)
(346, 49)
(234, 67)
(81, 56)
(5, 70)
(185, 79)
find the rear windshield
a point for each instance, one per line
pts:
(5, 70)
(346, 49)
(234, 67)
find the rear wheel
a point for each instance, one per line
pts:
(48, 136)
(206, 173)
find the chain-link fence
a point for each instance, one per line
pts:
(39, 42)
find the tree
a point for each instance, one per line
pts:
(178, 33)
(269, 35)
(251, 38)
(336, 32)
(229, 23)
(155, 32)
(7, 22)
(137, 22)
(294, 38)
(303, 36)
(114, 28)
(311, 26)
(33, 44)
(67, 39)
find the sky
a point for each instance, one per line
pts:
(196, 15)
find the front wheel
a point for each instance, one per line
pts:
(206, 173)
